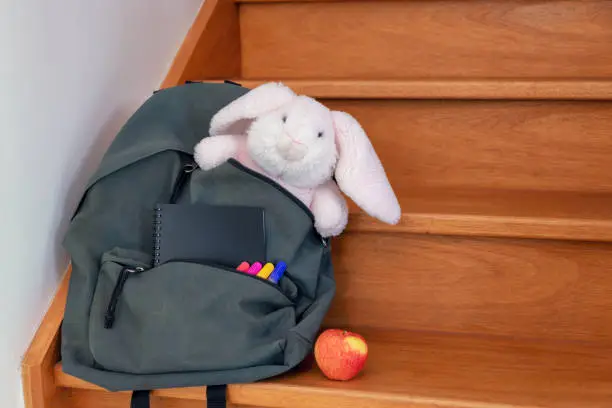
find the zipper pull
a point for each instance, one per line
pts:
(109, 317)
(324, 241)
(181, 180)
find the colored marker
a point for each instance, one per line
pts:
(278, 272)
(266, 271)
(243, 267)
(256, 267)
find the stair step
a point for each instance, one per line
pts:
(496, 89)
(425, 370)
(498, 213)
(515, 145)
(426, 39)
(519, 145)
(494, 286)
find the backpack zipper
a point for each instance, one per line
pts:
(181, 179)
(179, 183)
(191, 167)
(126, 272)
(275, 286)
(274, 184)
(297, 201)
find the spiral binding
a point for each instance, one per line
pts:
(157, 215)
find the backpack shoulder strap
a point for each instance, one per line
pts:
(140, 399)
(216, 397)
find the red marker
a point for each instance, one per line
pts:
(243, 267)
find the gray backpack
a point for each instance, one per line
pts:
(184, 324)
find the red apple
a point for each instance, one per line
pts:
(340, 354)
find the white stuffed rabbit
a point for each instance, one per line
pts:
(301, 144)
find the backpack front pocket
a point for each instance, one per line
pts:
(182, 316)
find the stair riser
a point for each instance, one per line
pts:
(525, 288)
(427, 39)
(78, 398)
(534, 145)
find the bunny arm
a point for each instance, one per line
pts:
(329, 209)
(213, 151)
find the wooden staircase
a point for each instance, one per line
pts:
(494, 121)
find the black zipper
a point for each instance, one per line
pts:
(258, 279)
(297, 201)
(126, 272)
(181, 180)
(274, 184)
(189, 168)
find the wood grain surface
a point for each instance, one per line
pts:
(522, 145)
(211, 48)
(446, 89)
(420, 370)
(427, 39)
(37, 367)
(497, 213)
(82, 398)
(518, 288)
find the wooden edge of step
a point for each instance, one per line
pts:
(40, 358)
(279, 395)
(429, 370)
(488, 226)
(499, 89)
(572, 216)
(211, 46)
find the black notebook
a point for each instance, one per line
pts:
(223, 235)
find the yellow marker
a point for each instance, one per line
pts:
(265, 271)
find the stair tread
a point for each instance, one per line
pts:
(505, 213)
(426, 370)
(447, 89)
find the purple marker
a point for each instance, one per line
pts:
(256, 267)
(278, 272)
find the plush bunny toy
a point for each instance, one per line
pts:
(301, 144)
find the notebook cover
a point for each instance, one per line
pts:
(223, 235)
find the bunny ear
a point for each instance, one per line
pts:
(240, 112)
(359, 172)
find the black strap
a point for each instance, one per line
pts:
(216, 396)
(227, 81)
(140, 399)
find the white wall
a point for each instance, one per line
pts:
(71, 72)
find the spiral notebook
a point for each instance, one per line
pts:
(208, 234)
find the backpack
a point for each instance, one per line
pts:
(184, 324)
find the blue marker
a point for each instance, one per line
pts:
(278, 272)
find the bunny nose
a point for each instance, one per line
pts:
(291, 150)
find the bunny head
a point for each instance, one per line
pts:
(300, 141)
(295, 143)
(290, 137)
